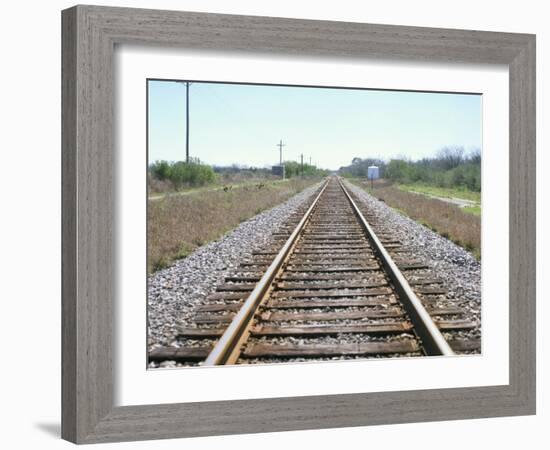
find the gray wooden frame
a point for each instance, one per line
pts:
(89, 36)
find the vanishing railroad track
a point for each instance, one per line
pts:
(329, 287)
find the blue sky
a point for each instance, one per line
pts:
(243, 123)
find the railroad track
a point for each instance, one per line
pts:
(329, 287)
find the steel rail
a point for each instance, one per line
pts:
(227, 350)
(433, 341)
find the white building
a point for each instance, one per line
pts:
(373, 173)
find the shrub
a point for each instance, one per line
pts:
(182, 174)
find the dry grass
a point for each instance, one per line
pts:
(178, 225)
(448, 220)
(156, 186)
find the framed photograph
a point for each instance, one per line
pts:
(278, 224)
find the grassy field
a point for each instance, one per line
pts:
(453, 194)
(442, 192)
(452, 222)
(177, 225)
(215, 187)
(475, 210)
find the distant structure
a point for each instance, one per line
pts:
(278, 171)
(373, 172)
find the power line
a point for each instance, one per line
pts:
(216, 96)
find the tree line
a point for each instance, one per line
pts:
(296, 169)
(451, 167)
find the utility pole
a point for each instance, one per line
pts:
(187, 84)
(281, 145)
(187, 122)
(310, 160)
(302, 163)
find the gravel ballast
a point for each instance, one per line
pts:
(175, 292)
